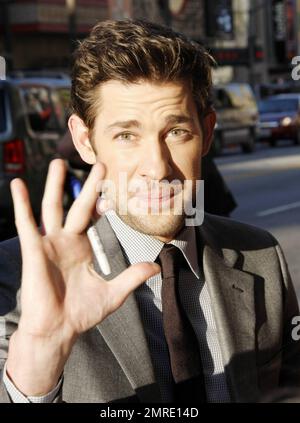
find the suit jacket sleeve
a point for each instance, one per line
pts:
(290, 370)
(9, 285)
(10, 280)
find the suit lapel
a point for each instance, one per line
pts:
(123, 330)
(232, 298)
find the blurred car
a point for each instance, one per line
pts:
(237, 116)
(47, 101)
(32, 120)
(264, 90)
(279, 118)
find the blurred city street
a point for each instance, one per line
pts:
(255, 94)
(119, 107)
(266, 187)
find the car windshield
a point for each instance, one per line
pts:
(2, 112)
(240, 95)
(233, 95)
(278, 105)
(61, 100)
(47, 107)
(39, 107)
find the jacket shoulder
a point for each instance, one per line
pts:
(10, 274)
(231, 234)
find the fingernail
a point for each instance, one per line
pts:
(101, 206)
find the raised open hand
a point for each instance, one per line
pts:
(60, 289)
(61, 295)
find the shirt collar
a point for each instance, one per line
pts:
(142, 247)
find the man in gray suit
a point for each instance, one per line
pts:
(141, 113)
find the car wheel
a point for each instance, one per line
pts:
(216, 146)
(249, 146)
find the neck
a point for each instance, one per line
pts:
(169, 238)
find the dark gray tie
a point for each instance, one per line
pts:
(181, 339)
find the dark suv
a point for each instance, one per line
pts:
(32, 120)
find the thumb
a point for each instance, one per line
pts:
(130, 279)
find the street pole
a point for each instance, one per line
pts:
(71, 13)
(256, 8)
(251, 44)
(7, 34)
(165, 12)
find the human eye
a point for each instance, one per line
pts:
(178, 133)
(125, 137)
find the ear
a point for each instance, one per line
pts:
(208, 124)
(80, 136)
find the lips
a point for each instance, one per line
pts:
(162, 195)
(155, 197)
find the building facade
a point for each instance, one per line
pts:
(252, 40)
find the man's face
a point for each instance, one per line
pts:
(149, 135)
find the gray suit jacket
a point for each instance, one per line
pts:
(253, 303)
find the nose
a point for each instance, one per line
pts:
(155, 163)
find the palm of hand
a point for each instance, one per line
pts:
(61, 292)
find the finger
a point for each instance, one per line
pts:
(103, 205)
(129, 280)
(24, 219)
(83, 207)
(52, 208)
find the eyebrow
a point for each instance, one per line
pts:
(124, 124)
(176, 119)
(170, 120)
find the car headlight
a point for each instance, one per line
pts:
(286, 121)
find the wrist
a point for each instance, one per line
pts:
(35, 363)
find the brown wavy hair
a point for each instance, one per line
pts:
(133, 50)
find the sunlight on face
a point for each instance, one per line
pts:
(149, 137)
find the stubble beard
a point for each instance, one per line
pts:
(166, 226)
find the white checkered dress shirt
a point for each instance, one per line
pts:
(138, 247)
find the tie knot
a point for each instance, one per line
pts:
(169, 260)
